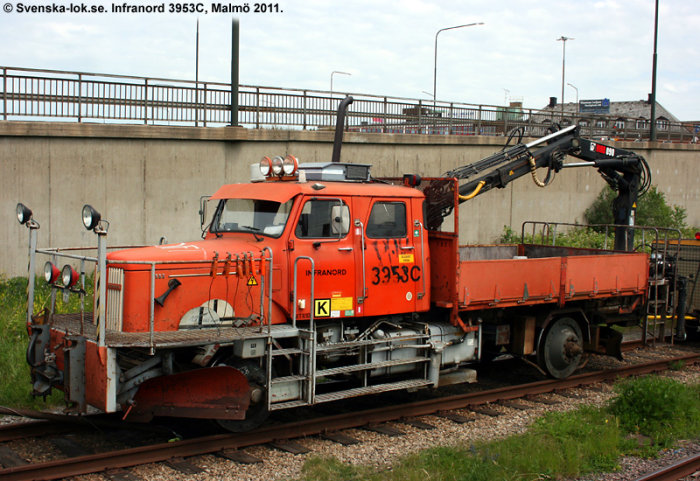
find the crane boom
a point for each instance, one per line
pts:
(625, 171)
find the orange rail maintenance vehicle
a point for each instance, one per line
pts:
(321, 283)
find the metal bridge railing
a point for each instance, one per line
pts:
(32, 94)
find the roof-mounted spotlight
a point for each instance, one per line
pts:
(51, 272)
(69, 276)
(24, 213)
(265, 166)
(277, 163)
(91, 218)
(290, 164)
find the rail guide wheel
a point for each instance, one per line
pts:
(560, 348)
(257, 412)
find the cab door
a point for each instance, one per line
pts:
(323, 234)
(393, 274)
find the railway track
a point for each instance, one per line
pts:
(678, 470)
(225, 443)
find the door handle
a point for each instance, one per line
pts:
(406, 248)
(345, 249)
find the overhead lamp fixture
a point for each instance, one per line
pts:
(91, 218)
(24, 213)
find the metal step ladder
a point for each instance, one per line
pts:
(657, 309)
(305, 358)
(302, 359)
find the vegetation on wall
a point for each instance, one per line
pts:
(652, 210)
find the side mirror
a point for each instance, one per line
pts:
(203, 209)
(340, 219)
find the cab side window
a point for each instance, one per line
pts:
(323, 218)
(387, 220)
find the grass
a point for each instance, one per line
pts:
(661, 409)
(15, 384)
(647, 414)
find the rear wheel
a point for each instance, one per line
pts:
(560, 348)
(257, 411)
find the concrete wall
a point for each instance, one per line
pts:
(147, 180)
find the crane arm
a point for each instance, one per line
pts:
(626, 172)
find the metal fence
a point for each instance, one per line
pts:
(31, 94)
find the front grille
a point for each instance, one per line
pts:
(115, 298)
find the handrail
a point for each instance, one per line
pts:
(419, 225)
(269, 292)
(295, 291)
(35, 94)
(361, 298)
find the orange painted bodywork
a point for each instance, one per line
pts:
(500, 283)
(96, 372)
(392, 282)
(401, 275)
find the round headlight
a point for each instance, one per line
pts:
(290, 165)
(69, 276)
(51, 272)
(277, 162)
(265, 166)
(24, 213)
(90, 217)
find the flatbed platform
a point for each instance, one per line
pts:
(505, 276)
(71, 324)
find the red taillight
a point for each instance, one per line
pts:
(697, 235)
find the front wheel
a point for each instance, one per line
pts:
(257, 412)
(561, 348)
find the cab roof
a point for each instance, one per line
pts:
(282, 191)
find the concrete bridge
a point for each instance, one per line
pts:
(147, 180)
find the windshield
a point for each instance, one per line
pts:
(251, 215)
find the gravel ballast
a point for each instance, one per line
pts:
(380, 451)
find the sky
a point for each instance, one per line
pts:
(387, 47)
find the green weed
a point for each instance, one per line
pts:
(647, 414)
(660, 408)
(15, 387)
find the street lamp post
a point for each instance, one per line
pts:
(435, 56)
(339, 73)
(652, 133)
(574, 87)
(563, 40)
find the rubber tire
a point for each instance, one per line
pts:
(551, 355)
(256, 414)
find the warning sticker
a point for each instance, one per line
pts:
(341, 304)
(322, 307)
(252, 281)
(405, 258)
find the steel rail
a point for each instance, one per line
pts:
(46, 424)
(684, 467)
(210, 444)
(13, 432)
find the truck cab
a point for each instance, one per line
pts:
(364, 243)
